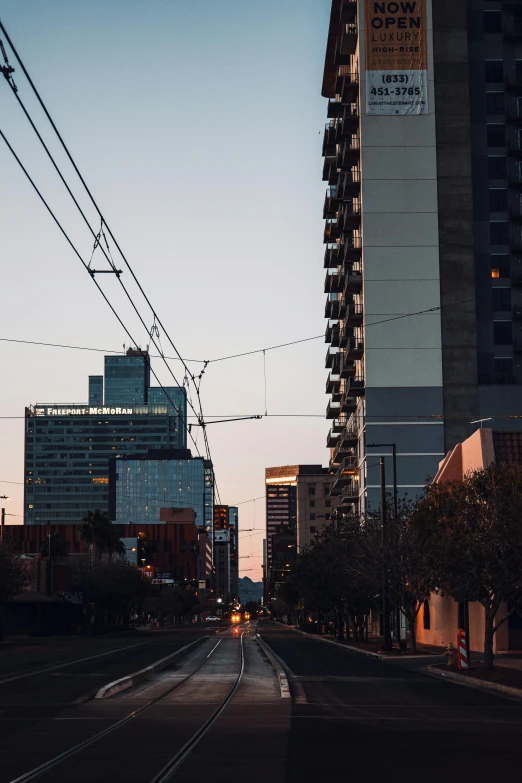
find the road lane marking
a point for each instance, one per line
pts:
(70, 663)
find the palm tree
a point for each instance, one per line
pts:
(97, 530)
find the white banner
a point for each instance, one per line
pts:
(397, 92)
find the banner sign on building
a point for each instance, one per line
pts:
(396, 52)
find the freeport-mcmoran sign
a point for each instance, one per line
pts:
(133, 411)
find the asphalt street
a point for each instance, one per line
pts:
(378, 720)
(350, 716)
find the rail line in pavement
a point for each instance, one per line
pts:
(178, 758)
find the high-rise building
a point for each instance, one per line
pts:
(298, 507)
(142, 484)
(68, 445)
(422, 156)
(226, 518)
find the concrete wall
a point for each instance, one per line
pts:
(444, 625)
(400, 225)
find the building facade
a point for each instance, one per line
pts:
(68, 445)
(298, 507)
(142, 484)
(227, 518)
(423, 253)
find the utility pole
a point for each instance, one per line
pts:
(2, 523)
(393, 447)
(386, 640)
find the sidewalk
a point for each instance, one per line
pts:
(373, 647)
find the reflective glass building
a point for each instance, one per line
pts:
(140, 485)
(68, 446)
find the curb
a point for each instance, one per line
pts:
(315, 637)
(278, 668)
(367, 653)
(143, 674)
(481, 685)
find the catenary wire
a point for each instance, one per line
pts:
(91, 197)
(75, 250)
(104, 222)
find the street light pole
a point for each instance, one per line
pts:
(386, 635)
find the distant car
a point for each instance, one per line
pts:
(212, 618)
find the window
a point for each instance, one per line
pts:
(501, 299)
(499, 232)
(312, 504)
(497, 166)
(496, 134)
(502, 332)
(495, 103)
(494, 71)
(312, 529)
(499, 265)
(327, 503)
(497, 199)
(311, 489)
(312, 516)
(492, 21)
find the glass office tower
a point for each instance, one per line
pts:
(140, 485)
(68, 446)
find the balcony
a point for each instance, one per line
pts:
(350, 215)
(347, 367)
(353, 281)
(516, 282)
(515, 180)
(335, 108)
(357, 386)
(332, 256)
(332, 334)
(347, 85)
(332, 439)
(333, 282)
(348, 403)
(514, 82)
(333, 409)
(350, 493)
(349, 184)
(348, 11)
(512, 30)
(332, 357)
(354, 314)
(515, 148)
(346, 334)
(513, 115)
(330, 139)
(330, 173)
(354, 348)
(346, 45)
(352, 247)
(517, 312)
(333, 382)
(335, 307)
(332, 231)
(348, 154)
(348, 120)
(516, 211)
(331, 203)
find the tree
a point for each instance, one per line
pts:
(473, 529)
(110, 592)
(58, 545)
(14, 578)
(97, 531)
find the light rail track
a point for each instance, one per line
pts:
(180, 756)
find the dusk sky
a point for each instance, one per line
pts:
(198, 126)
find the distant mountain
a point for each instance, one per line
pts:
(249, 590)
